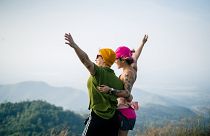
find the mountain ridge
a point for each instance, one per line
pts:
(77, 100)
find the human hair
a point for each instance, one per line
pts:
(129, 61)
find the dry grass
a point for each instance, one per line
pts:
(64, 132)
(194, 127)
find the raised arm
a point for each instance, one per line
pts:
(138, 51)
(80, 53)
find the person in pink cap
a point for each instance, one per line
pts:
(127, 60)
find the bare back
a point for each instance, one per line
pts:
(128, 77)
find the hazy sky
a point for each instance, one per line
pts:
(176, 54)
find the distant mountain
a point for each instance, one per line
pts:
(67, 97)
(162, 114)
(77, 100)
(191, 99)
(154, 108)
(145, 98)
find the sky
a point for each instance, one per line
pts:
(176, 55)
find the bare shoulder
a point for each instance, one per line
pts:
(130, 72)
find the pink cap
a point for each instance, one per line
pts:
(123, 52)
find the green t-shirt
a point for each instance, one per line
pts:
(104, 105)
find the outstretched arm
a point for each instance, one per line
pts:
(80, 53)
(138, 51)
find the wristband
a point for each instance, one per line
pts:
(112, 91)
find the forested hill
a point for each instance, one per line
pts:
(37, 118)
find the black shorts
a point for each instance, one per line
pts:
(97, 126)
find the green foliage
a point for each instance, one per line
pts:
(37, 118)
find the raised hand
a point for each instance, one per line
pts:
(70, 40)
(144, 40)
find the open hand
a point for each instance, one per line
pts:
(70, 40)
(145, 39)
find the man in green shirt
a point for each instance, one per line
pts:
(103, 117)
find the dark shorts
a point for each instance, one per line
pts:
(97, 126)
(126, 118)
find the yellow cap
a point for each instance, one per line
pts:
(108, 56)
